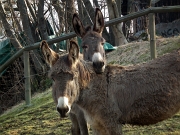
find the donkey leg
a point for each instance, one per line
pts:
(75, 130)
(82, 122)
(100, 131)
(79, 120)
(115, 130)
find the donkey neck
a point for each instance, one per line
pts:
(86, 73)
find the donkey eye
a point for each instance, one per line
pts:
(102, 43)
(71, 76)
(84, 46)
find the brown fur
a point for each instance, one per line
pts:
(49, 55)
(79, 125)
(92, 41)
(138, 95)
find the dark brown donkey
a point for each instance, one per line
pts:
(92, 40)
(138, 95)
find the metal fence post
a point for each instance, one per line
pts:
(27, 78)
(152, 35)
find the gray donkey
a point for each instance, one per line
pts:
(138, 95)
(92, 40)
(93, 50)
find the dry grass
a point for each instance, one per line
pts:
(139, 52)
(41, 117)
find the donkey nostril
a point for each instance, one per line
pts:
(63, 111)
(102, 64)
(98, 64)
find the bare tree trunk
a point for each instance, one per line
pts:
(31, 11)
(70, 11)
(148, 3)
(89, 8)
(128, 23)
(80, 9)
(59, 7)
(8, 28)
(117, 29)
(14, 17)
(53, 21)
(28, 34)
(83, 13)
(96, 3)
(112, 37)
(41, 21)
(118, 3)
(25, 21)
(33, 26)
(147, 20)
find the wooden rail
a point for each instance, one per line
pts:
(34, 46)
(142, 13)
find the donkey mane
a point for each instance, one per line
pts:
(85, 73)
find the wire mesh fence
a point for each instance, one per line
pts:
(12, 88)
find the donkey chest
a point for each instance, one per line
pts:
(98, 108)
(96, 122)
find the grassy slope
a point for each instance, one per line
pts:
(138, 52)
(41, 117)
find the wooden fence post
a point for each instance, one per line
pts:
(27, 78)
(152, 35)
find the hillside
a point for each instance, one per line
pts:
(41, 117)
(139, 52)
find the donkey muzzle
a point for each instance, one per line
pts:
(63, 111)
(99, 67)
(63, 107)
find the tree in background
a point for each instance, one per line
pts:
(41, 21)
(8, 29)
(116, 29)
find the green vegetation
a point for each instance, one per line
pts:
(41, 118)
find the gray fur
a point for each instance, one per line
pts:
(92, 40)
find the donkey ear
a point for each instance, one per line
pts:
(99, 21)
(73, 55)
(78, 26)
(49, 55)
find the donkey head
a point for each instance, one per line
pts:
(65, 75)
(92, 40)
